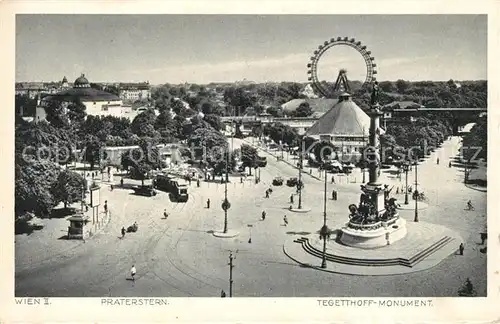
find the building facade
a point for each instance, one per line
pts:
(135, 91)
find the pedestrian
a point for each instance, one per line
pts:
(483, 238)
(86, 207)
(310, 171)
(461, 249)
(449, 164)
(106, 206)
(133, 272)
(123, 232)
(285, 220)
(437, 161)
(208, 203)
(189, 179)
(263, 215)
(290, 208)
(291, 198)
(223, 294)
(333, 179)
(333, 194)
(198, 183)
(241, 179)
(111, 187)
(267, 193)
(165, 214)
(397, 191)
(121, 182)
(109, 170)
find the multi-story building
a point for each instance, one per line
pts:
(135, 91)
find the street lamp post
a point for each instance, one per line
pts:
(225, 204)
(416, 196)
(324, 231)
(300, 180)
(406, 168)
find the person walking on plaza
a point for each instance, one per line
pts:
(437, 161)
(121, 182)
(198, 183)
(208, 203)
(133, 271)
(189, 179)
(111, 188)
(461, 249)
(449, 164)
(285, 220)
(105, 206)
(291, 199)
(469, 205)
(123, 232)
(241, 179)
(263, 215)
(223, 294)
(165, 214)
(397, 191)
(333, 179)
(267, 193)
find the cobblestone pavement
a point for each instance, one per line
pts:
(179, 256)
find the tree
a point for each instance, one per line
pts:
(213, 120)
(93, 151)
(76, 112)
(249, 156)
(402, 85)
(56, 114)
(143, 124)
(34, 181)
(69, 188)
(303, 110)
(25, 104)
(164, 125)
(275, 111)
(386, 86)
(206, 141)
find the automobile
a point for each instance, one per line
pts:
(332, 167)
(278, 181)
(293, 182)
(347, 168)
(261, 161)
(147, 191)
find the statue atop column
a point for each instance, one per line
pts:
(375, 94)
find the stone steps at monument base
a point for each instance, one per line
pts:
(412, 261)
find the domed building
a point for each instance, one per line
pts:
(96, 102)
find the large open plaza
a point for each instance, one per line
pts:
(180, 256)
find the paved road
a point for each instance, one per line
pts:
(180, 257)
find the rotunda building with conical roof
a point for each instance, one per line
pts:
(345, 125)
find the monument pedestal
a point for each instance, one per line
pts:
(375, 235)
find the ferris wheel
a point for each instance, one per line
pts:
(341, 83)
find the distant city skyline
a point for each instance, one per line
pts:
(228, 48)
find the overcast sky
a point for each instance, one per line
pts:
(218, 48)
